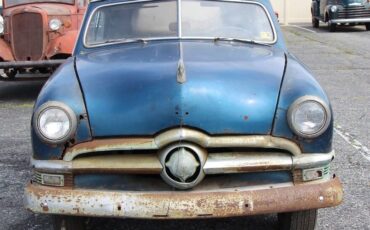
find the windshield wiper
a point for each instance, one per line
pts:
(123, 40)
(216, 39)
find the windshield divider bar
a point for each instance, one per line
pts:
(179, 18)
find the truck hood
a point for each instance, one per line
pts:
(49, 8)
(136, 89)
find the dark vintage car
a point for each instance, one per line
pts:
(38, 35)
(182, 109)
(340, 12)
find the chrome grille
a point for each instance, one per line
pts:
(354, 12)
(37, 177)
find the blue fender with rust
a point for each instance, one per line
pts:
(298, 82)
(64, 87)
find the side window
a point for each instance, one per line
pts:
(96, 28)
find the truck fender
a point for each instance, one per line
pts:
(5, 51)
(62, 45)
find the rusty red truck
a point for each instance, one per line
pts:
(38, 35)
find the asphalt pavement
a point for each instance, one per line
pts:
(341, 63)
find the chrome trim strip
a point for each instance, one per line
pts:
(313, 160)
(351, 20)
(179, 22)
(51, 164)
(223, 163)
(124, 163)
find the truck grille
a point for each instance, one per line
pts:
(27, 36)
(354, 12)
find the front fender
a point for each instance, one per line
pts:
(62, 44)
(298, 82)
(5, 51)
(315, 10)
(63, 87)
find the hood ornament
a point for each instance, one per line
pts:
(181, 75)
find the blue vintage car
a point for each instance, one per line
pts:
(340, 12)
(182, 109)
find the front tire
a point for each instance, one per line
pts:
(300, 220)
(315, 22)
(68, 223)
(332, 27)
(367, 26)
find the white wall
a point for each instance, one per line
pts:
(291, 11)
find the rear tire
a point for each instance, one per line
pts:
(300, 220)
(367, 26)
(68, 223)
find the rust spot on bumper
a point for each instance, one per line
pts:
(184, 204)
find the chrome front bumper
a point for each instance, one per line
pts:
(183, 204)
(350, 20)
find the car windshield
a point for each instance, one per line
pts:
(196, 19)
(9, 3)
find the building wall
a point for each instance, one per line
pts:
(291, 11)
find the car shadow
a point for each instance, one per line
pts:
(324, 28)
(347, 29)
(260, 222)
(20, 90)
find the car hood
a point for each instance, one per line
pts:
(225, 88)
(353, 2)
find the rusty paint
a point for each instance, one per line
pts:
(185, 204)
(28, 36)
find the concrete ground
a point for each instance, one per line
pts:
(341, 62)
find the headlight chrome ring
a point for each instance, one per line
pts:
(55, 24)
(309, 116)
(333, 9)
(54, 122)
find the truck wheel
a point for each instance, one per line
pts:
(367, 26)
(315, 22)
(9, 74)
(332, 27)
(300, 220)
(68, 223)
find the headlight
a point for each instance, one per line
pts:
(55, 123)
(55, 24)
(334, 9)
(309, 116)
